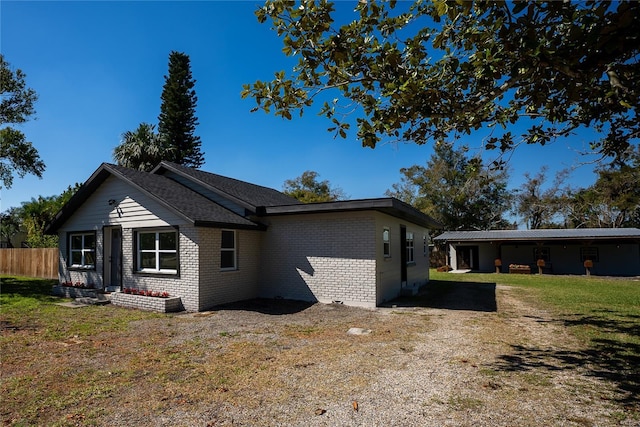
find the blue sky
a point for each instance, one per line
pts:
(99, 67)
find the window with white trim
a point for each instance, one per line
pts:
(82, 250)
(410, 247)
(386, 242)
(228, 250)
(157, 251)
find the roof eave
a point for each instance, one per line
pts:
(83, 193)
(217, 224)
(388, 205)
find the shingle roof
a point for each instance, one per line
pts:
(542, 234)
(251, 195)
(199, 210)
(186, 203)
(193, 206)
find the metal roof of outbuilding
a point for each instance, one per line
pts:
(541, 234)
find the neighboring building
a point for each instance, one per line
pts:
(613, 251)
(212, 240)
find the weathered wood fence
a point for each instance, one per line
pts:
(36, 262)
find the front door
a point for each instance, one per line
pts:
(403, 255)
(467, 257)
(115, 258)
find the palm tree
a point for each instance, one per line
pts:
(141, 149)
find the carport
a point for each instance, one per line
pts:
(612, 251)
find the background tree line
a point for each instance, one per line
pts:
(463, 193)
(455, 188)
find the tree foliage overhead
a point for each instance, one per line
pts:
(177, 120)
(436, 70)
(16, 106)
(307, 189)
(456, 190)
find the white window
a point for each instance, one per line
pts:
(82, 250)
(228, 250)
(410, 247)
(386, 242)
(158, 251)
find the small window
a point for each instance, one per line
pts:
(386, 242)
(590, 253)
(82, 250)
(228, 250)
(158, 251)
(425, 245)
(541, 253)
(410, 248)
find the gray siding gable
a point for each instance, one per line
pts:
(187, 204)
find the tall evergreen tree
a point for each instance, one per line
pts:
(177, 120)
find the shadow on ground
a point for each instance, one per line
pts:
(32, 288)
(448, 295)
(614, 361)
(276, 307)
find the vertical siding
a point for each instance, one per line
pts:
(328, 257)
(32, 262)
(614, 259)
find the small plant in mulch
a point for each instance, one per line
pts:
(145, 293)
(80, 285)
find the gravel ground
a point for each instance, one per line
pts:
(480, 356)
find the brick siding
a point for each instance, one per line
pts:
(320, 258)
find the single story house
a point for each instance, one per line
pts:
(612, 251)
(211, 240)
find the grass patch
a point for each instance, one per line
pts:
(464, 403)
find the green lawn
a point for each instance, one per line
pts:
(27, 303)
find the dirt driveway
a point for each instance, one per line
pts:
(477, 355)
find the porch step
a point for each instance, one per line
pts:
(100, 299)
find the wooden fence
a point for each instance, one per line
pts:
(36, 262)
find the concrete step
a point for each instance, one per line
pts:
(101, 299)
